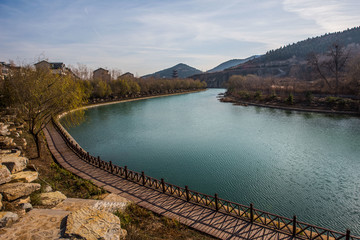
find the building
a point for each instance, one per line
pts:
(4, 70)
(127, 75)
(55, 67)
(102, 74)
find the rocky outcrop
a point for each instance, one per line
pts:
(4, 129)
(12, 191)
(25, 176)
(6, 142)
(93, 224)
(14, 163)
(5, 175)
(51, 198)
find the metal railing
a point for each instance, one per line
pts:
(290, 226)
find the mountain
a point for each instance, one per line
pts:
(286, 61)
(183, 71)
(231, 63)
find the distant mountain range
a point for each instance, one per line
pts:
(286, 60)
(182, 69)
(231, 63)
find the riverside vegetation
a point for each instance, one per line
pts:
(34, 96)
(335, 85)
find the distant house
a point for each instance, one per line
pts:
(4, 70)
(55, 67)
(102, 74)
(127, 75)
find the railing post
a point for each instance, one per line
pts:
(251, 212)
(163, 185)
(347, 234)
(294, 226)
(143, 178)
(126, 172)
(98, 161)
(111, 167)
(187, 193)
(88, 156)
(216, 202)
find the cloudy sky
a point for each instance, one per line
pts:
(144, 36)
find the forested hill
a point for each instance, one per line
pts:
(318, 44)
(231, 63)
(183, 71)
(283, 61)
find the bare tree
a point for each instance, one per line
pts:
(331, 66)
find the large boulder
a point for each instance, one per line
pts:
(12, 191)
(51, 198)
(5, 175)
(14, 163)
(93, 224)
(7, 217)
(25, 176)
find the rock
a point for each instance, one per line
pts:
(6, 141)
(93, 224)
(25, 176)
(13, 163)
(112, 203)
(12, 191)
(1, 205)
(38, 224)
(27, 206)
(10, 152)
(5, 175)
(48, 188)
(25, 143)
(7, 218)
(22, 200)
(4, 129)
(52, 198)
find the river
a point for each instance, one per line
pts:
(283, 162)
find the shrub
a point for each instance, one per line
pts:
(258, 95)
(290, 99)
(309, 97)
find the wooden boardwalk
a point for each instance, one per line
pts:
(217, 224)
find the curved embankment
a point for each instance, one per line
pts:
(128, 100)
(310, 110)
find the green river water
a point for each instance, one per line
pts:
(283, 162)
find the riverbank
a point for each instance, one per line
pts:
(300, 106)
(110, 102)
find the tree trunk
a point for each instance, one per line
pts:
(38, 144)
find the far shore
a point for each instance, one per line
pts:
(127, 100)
(310, 110)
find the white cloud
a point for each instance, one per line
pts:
(331, 15)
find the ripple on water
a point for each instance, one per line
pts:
(303, 164)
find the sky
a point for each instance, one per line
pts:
(145, 36)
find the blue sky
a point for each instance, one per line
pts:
(144, 36)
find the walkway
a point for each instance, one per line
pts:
(217, 224)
